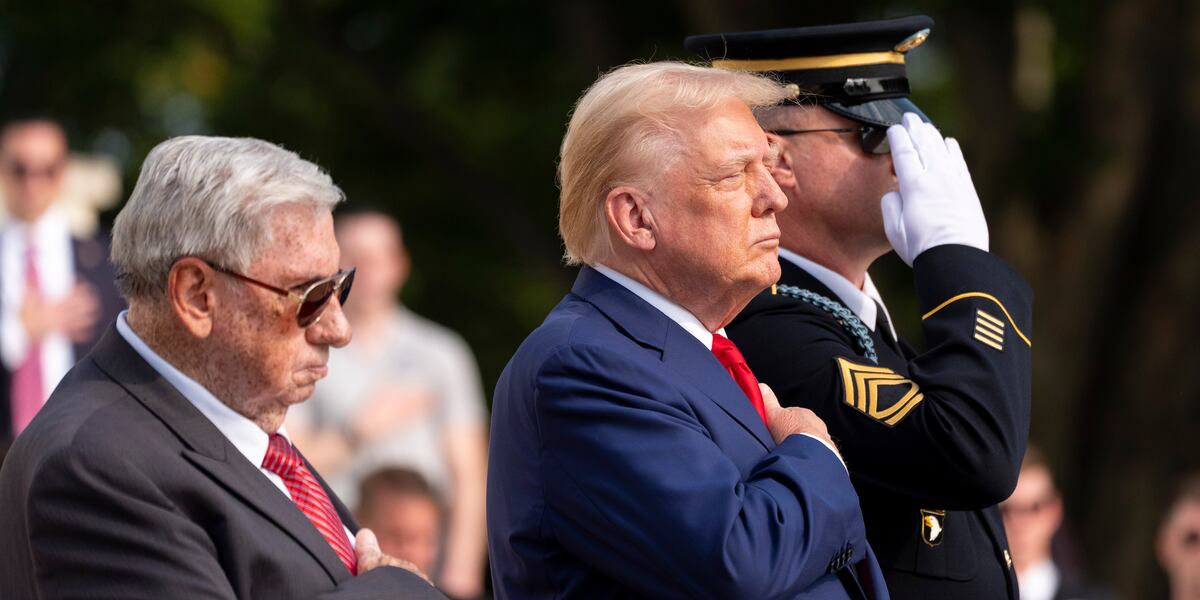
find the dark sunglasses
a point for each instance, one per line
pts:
(874, 139)
(20, 170)
(313, 299)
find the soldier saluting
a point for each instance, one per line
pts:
(933, 440)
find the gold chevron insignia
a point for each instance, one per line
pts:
(989, 330)
(878, 392)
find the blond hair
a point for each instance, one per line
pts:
(624, 131)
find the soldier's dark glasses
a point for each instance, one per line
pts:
(874, 139)
(315, 297)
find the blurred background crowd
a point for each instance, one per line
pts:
(1077, 119)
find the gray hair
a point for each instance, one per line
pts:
(624, 131)
(208, 197)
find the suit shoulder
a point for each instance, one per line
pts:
(574, 323)
(88, 412)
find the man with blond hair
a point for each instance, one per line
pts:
(159, 468)
(633, 453)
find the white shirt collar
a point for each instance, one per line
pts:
(244, 434)
(673, 311)
(861, 302)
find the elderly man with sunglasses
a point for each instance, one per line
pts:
(159, 466)
(933, 440)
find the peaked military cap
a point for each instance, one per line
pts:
(854, 69)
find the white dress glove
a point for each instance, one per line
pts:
(937, 203)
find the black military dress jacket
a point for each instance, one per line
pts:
(934, 440)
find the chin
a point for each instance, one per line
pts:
(302, 393)
(769, 273)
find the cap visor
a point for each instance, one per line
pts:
(883, 113)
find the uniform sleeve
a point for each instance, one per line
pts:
(636, 487)
(947, 429)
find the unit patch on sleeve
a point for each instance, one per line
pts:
(933, 526)
(878, 392)
(989, 330)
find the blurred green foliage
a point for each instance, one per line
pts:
(1077, 118)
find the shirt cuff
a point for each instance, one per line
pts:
(831, 449)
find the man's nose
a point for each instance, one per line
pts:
(333, 329)
(769, 198)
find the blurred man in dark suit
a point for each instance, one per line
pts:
(56, 289)
(159, 467)
(1033, 515)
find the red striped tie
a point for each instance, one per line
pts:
(283, 460)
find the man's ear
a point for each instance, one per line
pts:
(784, 169)
(629, 217)
(190, 295)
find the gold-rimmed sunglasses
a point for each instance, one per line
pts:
(315, 297)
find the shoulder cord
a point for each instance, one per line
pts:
(845, 318)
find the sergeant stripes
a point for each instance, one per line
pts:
(985, 296)
(862, 386)
(989, 330)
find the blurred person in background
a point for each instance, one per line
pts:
(1033, 515)
(1178, 544)
(405, 513)
(407, 393)
(56, 289)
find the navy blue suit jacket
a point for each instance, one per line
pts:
(625, 462)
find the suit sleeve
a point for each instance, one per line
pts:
(101, 528)
(951, 432)
(637, 487)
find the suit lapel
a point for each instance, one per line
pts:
(696, 364)
(681, 352)
(209, 450)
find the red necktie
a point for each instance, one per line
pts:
(27, 396)
(731, 358)
(284, 460)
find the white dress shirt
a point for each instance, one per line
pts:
(1039, 582)
(245, 435)
(684, 319)
(861, 302)
(55, 264)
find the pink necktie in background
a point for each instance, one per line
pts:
(27, 394)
